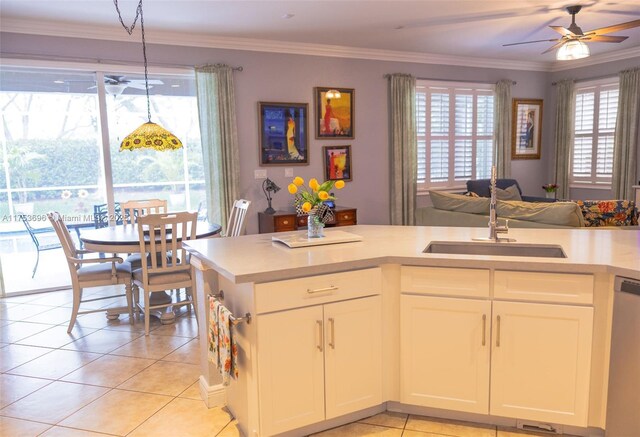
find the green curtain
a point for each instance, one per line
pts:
(502, 128)
(403, 148)
(625, 145)
(217, 111)
(565, 125)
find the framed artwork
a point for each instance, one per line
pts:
(526, 129)
(337, 163)
(284, 135)
(334, 113)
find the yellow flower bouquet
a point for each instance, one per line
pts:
(309, 199)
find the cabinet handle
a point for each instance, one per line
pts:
(346, 217)
(332, 341)
(321, 335)
(498, 332)
(484, 329)
(320, 290)
(286, 222)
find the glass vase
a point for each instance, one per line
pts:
(551, 194)
(315, 227)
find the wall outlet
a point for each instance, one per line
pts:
(288, 172)
(260, 174)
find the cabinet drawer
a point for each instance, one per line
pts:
(285, 223)
(313, 290)
(301, 220)
(544, 287)
(445, 281)
(346, 218)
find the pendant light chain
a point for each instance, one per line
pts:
(129, 30)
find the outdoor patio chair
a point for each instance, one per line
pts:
(160, 234)
(39, 246)
(91, 272)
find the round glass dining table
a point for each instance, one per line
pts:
(125, 239)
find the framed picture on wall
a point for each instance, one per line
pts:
(526, 129)
(334, 113)
(337, 163)
(284, 135)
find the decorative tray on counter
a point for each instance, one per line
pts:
(300, 239)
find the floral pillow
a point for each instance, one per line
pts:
(608, 212)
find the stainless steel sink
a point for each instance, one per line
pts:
(499, 249)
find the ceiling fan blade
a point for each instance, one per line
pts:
(138, 86)
(614, 28)
(563, 31)
(529, 42)
(604, 38)
(555, 46)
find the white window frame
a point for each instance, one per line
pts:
(475, 89)
(594, 181)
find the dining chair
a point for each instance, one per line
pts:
(236, 224)
(36, 242)
(101, 215)
(160, 234)
(133, 209)
(91, 272)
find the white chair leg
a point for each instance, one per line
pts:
(128, 293)
(147, 314)
(77, 296)
(192, 294)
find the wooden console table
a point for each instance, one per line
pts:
(283, 221)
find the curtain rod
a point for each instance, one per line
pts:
(587, 79)
(218, 65)
(28, 56)
(513, 82)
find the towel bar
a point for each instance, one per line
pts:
(219, 296)
(237, 320)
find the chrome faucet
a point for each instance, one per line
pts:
(494, 228)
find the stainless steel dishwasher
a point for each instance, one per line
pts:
(623, 405)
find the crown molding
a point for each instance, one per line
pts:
(112, 33)
(619, 55)
(115, 33)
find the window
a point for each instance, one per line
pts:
(455, 132)
(595, 123)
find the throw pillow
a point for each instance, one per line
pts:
(551, 213)
(459, 202)
(509, 193)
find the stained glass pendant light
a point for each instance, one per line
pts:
(149, 135)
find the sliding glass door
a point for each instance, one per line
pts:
(60, 137)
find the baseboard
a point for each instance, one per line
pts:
(212, 395)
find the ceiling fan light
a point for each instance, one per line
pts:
(573, 50)
(333, 94)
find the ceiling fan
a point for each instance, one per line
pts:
(572, 45)
(115, 85)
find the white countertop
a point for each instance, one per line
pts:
(255, 258)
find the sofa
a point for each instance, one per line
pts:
(482, 187)
(461, 210)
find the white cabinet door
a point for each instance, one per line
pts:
(353, 358)
(445, 345)
(541, 360)
(290, 369)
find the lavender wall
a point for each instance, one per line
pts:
(578, 74)
(291, 78)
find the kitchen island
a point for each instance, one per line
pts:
(343, 331)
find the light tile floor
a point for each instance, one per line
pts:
(107, 378)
